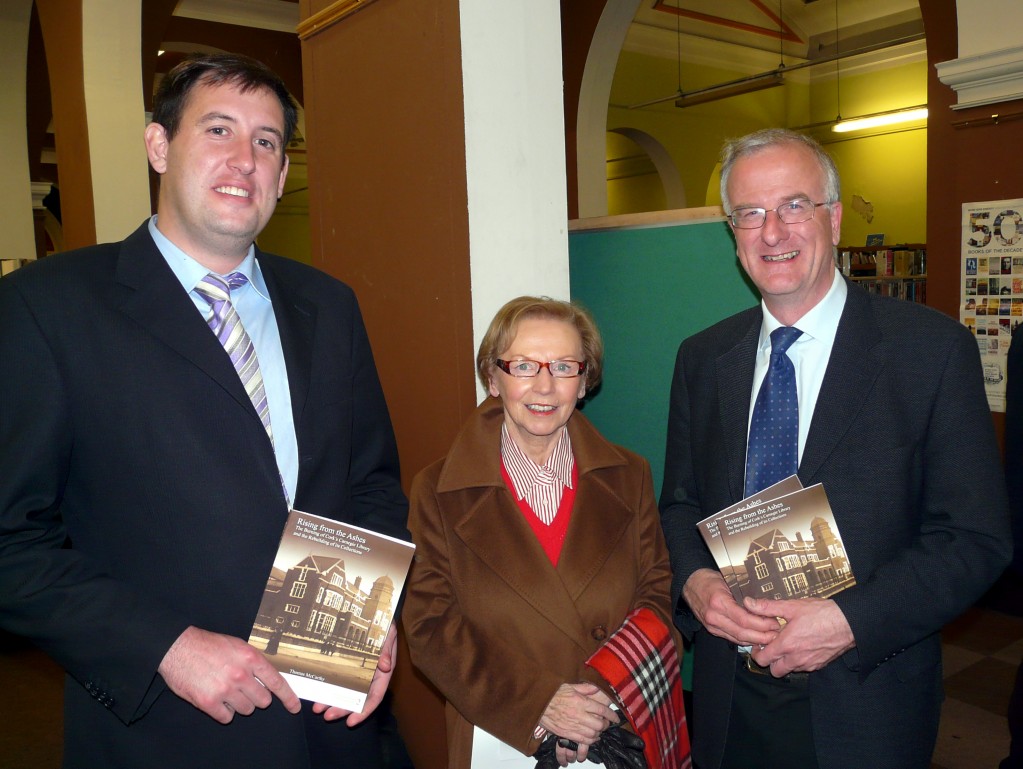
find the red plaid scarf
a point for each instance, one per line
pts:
(641, 664)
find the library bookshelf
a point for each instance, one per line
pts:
(896, 270)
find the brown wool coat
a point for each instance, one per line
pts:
(489, 620)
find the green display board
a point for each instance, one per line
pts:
(649, 288)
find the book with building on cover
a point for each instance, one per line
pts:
(327, 607)
(787, 547)
(710, 530)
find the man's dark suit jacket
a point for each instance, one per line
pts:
(1014, 440)
(139, 493)
(902, 439)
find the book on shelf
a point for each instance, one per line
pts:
(780, 545)
(885, 261)
(327, 606)
(899, 271)
(911, 289)
(903, 262)
(910, 262)
(859, 263)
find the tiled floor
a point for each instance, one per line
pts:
(982, 650)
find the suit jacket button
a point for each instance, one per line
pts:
(599, 633)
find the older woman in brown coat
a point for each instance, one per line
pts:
(535, 538)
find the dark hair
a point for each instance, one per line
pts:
(242, 72)
(505, 325)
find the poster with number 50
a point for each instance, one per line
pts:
(992, 285)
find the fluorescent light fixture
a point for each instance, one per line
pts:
(726, 91)
(881, 119)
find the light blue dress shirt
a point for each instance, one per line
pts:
(253, 305)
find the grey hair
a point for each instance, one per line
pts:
(735, 149)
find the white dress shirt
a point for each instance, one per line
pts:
(809, 353)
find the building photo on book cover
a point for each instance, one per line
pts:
(328, 604)
(710, 530)
(787, 547)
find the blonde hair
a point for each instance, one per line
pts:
(505, 324)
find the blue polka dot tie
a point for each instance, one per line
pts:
(773, 450)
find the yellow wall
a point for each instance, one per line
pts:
(693, 135)
(287, 234)
(633, 185)
(888, 171)
(288, 231)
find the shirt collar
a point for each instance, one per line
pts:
(526, 474)
(189, 272)
(820, 323)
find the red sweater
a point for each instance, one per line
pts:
(551, 537)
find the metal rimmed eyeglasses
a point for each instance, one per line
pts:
(792, 212)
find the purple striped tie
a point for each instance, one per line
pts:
(229, 331)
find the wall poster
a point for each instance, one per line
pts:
(992, 285)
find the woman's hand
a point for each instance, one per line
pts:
(578, 712)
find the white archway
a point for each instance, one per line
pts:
(594, 91)
(674, 190)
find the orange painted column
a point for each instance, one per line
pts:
(93, 53)
(15, 184)
(388, 215)
(61, 23)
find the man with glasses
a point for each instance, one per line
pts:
(880, 400)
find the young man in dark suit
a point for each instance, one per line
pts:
(893, 420)
(148, 464)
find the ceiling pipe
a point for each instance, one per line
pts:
(725, 91)
(735, 87)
